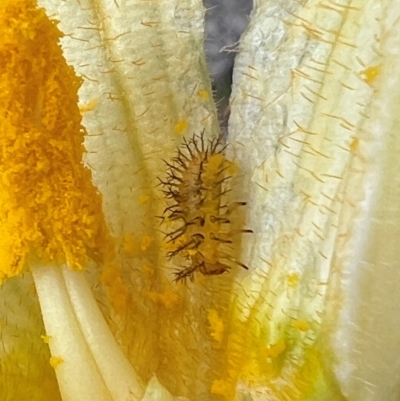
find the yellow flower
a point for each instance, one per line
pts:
(313, 130)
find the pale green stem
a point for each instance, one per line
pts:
(93, 367)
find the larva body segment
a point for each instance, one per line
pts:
(197, 180)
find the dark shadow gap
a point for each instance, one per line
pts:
(225, 22)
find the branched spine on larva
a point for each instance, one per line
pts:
(196, 181)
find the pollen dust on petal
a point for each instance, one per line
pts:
(293, 280)
(146, 242)
(117, 291)
(144, 199)
(221, 387)
(276, 349)
(370, 74)
(88, 106)
(130, 244)
(203, 94)
(168, 299)
(181, 126)
(216, 325)
(301, 325)
(46, 339)
(56, 361)
(50, 209)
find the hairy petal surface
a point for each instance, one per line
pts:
(146, 87)
(311, 104)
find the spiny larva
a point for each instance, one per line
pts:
(197, 182)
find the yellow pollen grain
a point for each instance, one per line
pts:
(301, 325)
(129, 244)
(370, 74)
(276, 349)
(144, 199)
(168, 246)
(216, 325)
(293, 280)
(251, 370)
(169, 299)
(146, 242)
(117, 291)
(203, 94)
(354, 145)
(56, 361)
(50, 209)
(181, 126)
(88, 106)
(46, 339)
(221, 387)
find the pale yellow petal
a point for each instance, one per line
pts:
(311, 84)
(368, 337)
(145, 88)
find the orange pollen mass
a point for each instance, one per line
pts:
(50, 211)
